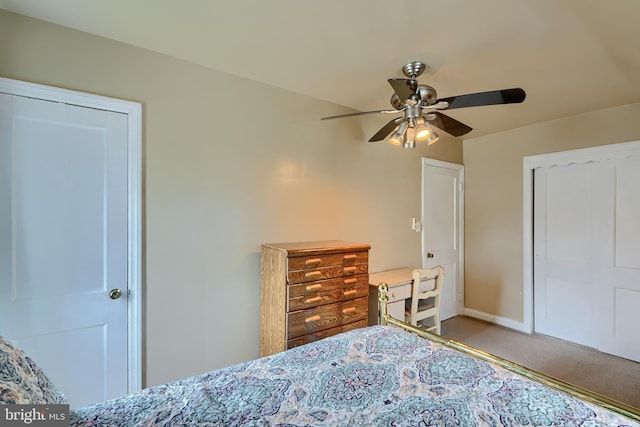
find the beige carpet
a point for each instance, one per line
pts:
(608, 375)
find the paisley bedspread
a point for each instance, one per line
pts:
(376, 376)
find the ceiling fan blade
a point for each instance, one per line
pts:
(385, 131)
(449, 124)
(360, 113)
(494, 97)
(404, 88)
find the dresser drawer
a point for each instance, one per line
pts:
(328, 316)
(323, 273)
(327, 260)
(326, 292)
(304, 289)
(324, 334)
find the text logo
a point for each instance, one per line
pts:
(35, 415)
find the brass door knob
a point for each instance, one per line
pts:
(429, 255)
(115, 293)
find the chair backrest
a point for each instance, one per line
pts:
(427, 283)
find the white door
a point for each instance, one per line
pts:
(442, 232)
(567, 222)
(623, 338)
(63, 242)
(587, 254)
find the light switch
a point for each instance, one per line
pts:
(416, 225)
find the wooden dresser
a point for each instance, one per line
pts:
(311, 290)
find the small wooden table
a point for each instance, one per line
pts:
(399, 282)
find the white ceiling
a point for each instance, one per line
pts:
(571, 56)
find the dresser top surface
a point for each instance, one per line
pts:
(316, 247)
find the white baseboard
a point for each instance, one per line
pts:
(502, 321)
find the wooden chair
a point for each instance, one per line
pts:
(425, 298)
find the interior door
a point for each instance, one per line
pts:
(63, 242)
(442, 232)
(587, 254)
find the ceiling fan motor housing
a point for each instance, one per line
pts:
(427, 94)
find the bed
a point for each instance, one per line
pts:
(384, 375)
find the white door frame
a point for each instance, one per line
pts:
(460, 169)
(582, 155)
(133, 110)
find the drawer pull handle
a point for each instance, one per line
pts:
(350, 281)
(351, 257)
(348, 310)
(312, 300)
(313, 261)
(313, 274)
(315, 287)
(349, 292)
(349, 270)
(312, 319)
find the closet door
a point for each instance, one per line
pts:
(567, 221)
(586, 254)
(622, 282)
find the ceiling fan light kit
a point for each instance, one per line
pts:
(397, 137)
(420, 107)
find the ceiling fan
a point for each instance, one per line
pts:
(421, 107)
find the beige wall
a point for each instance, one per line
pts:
(493, 199)
(228, 164)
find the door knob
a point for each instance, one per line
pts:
(115, 293)
(429, 255)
